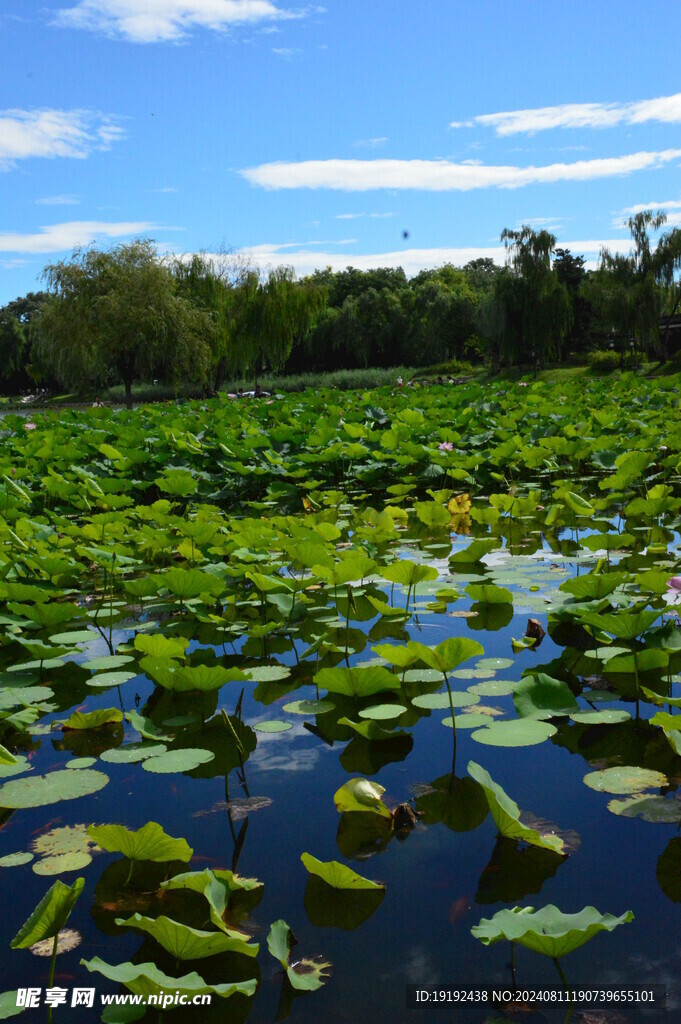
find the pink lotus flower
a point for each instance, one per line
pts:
(674, 583)
(29, 426)
(446, 446)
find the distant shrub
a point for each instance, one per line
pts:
(603, 360)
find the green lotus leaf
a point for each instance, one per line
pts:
(19, 765)
(337, 875)
(183, 760)
(159, 646)
(407, 573)
(493, 688)
(382, 712)
(361, 795)
(648, 808)
(133, 753)
(146, 728)
(189, 583)
(304, 975)
(309, 707)
(399, 656)
(147, 843)
(216, 887)
(488, 593)
(609, 716)
(108, 663)
(15, 860)
(506, 814)
(147, 980)
(92, 719)
(50, 916)
(269, 673)
(447, 655)
(441, 701)
(185, 943)
(39, 790)
(539, 696)
(63, 849)
(520, 732)
(273, 725)
(625, 780)
(474, 553)
(106, 679)
(549, 930)
(357, 682)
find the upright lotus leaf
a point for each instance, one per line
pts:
(549, 930)
(361, 795)
(145, 727)
(506, 813)
(474, 553)
(50, 916)
(575, 502)
(46, 615)
(489, 593)
(216, 887)
(408, 573)
(159, 646)
(93, 719)
(432, 514)
(624, 625)
(593, 586)
(189, 583)
(185, 943)
(148, 980)
(6, 757)
(178, 482)
(397, 655)
(337, 875)
(304, 975)
(148, 843)
(447, 655)
(538, 695)
(206, 677)
(357, 682)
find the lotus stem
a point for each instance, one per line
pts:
(53, 962)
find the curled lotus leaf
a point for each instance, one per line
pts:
(185, 943)
(361, 795)
(506, 813)
(304, 975)
(147, 979)
(549, 930)
(337, 875)
(147, 843)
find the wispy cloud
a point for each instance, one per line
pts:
(442, 175)
(66, 200)
(286, 52)
(411, 260)
(166, 190)
(62, 237)
(664, 109)
(53, 133)
(357, 216)
(155, 21)
(380, 140)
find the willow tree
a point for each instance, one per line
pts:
(543, 303)
(115, 316)
(269, 315)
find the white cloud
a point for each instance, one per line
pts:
(411, 260)
(665, 109)
(166, 190)
(154, 21)
(66, 200)
(62, 237)
(52, 133)
(285, 52)
(442, 175)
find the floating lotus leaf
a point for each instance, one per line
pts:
(304, 975)
(337, 875)
(108, 663)
(610, 716)
(506, 813)
(308, 707)
(183, 760)
(495, 664)
(15, 860)
(474, 720)
(147, 980)
(133, 753)
(493, 688)
(539, 696)
(68, 848)
(521, 732)
(269, 673)
(106, 679)
(382, 712)
(440, 701)
(625, 780)
(81, 762)
(648, 808)
(39, 790)
(361, 795)
(185, 943)
(147, 843)
(50, 916)
(20, 764)
(273, 725)
(549, 930)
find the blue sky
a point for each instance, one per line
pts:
(315, 134)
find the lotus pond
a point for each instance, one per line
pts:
(305, 700)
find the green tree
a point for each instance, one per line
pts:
(16, 340)
(117, 315)
(543, 301)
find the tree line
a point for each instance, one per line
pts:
(128, 314)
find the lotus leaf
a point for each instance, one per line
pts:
(549, 930)
(148, 843)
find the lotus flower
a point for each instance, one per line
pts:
(29, 426)
(674, 583)
(446, 446)
(673, 595)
